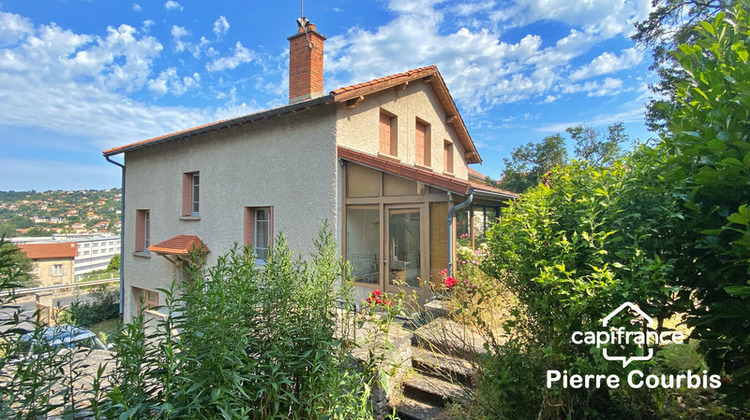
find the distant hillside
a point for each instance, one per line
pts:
(33, 213)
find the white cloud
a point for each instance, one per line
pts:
(468, 9)
(179, 32)
(221, 26)
(14, 28)
(481, 69)
(609, 86)
(608, 63)
(605, 17)
(77, 84)
(169, 82)
(137, 7)
(241, 55)
(172, 5)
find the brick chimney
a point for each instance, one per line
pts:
(305, 62)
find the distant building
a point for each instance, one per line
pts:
(53, 262)
(94, 251)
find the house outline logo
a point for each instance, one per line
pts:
(626, 360)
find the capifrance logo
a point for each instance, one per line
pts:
(617, 337)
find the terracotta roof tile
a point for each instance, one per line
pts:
(481, 186)
(179, 245)
(338, 95)
(399, 169)
(50, 251)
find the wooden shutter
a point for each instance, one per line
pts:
(187, 194)
(419, 139)
(385, 134)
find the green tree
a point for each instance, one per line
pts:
(16, 265)
(708, 159)
(529, 163)
(114, 263)
(597, 148)
(670, 24)
(8, 230)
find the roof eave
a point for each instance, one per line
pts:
(286, 109)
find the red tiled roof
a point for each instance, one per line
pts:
(50, 251)
(399, 169)
(481, 186)
(430, 74)
(476, 174)
(179, 245)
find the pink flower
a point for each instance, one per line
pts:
(444, 272)
(464, 236)
(450, 282)
(377, 293)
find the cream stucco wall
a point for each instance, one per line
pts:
(44, 270)
(358, 127)
(287, 162)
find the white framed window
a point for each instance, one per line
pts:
(142, 230)
(191, 182)
(57, 270)
(259, 231)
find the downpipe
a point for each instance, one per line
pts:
(451, 213)
(122, 237)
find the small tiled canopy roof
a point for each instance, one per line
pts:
(50, 251)
(180, 245)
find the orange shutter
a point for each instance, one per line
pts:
(419, 139)
(385, 134)
(187, 199)
(139, 221)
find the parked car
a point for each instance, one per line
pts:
(59, 338)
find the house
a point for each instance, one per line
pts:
(385, 162)
(53, 262)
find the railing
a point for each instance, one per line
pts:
(77, 285)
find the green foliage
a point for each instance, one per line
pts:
(529, 163)
(708, 160)
(578, 248)
(104, 304)
(596, 148)
(114, 263)
(15, 265)
(252, 344)
(572, 251)
(670, 24)
(38, 386)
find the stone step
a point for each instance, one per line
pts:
(436, 364)
(449, 337)
(433, 391)
(409, 409)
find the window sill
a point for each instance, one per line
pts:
(389, 157)
(190, 218)
(422, 167)
(142, 254)
(449, 173)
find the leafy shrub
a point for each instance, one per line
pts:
(251, 344)
(104, 305)
(707, 158)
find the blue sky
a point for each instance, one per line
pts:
(81, 76)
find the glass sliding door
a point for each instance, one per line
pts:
(404, 247)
